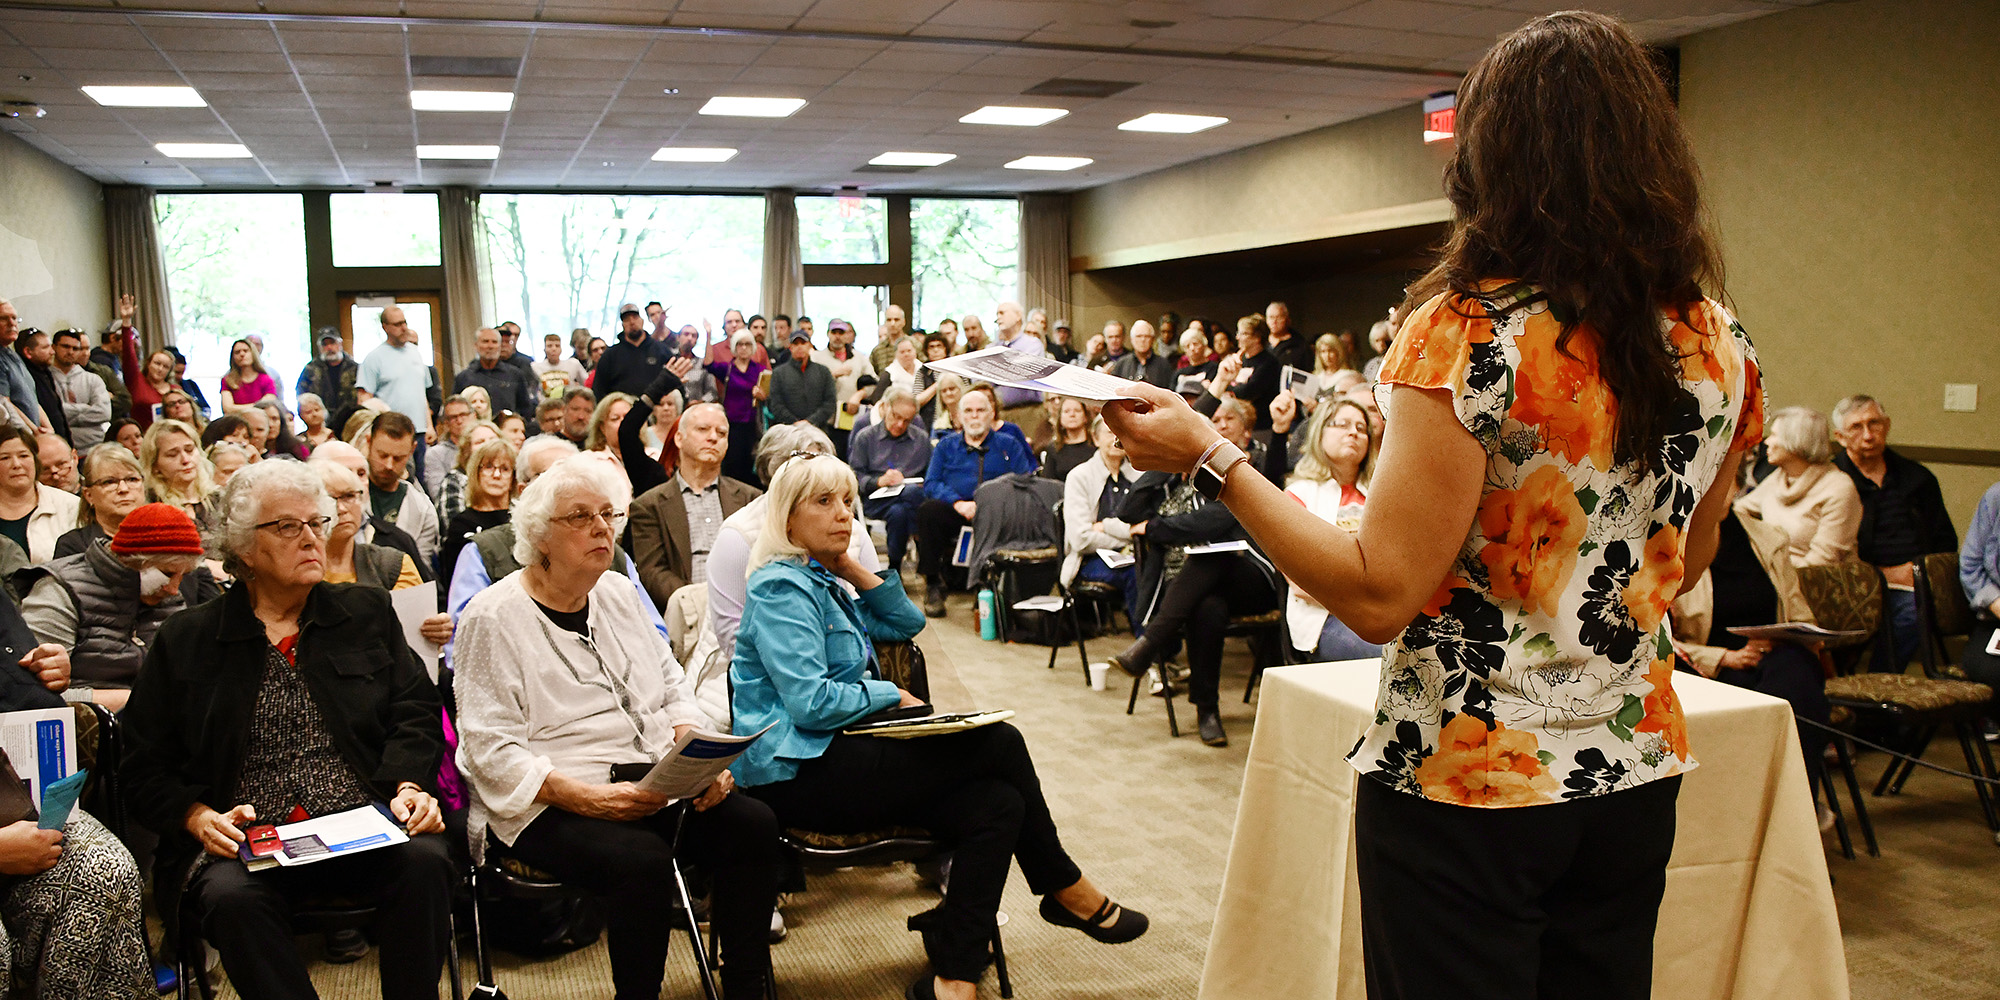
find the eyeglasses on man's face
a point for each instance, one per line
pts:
(584, 520)
(289, 528)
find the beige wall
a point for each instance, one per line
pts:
(1361, 176)
(52, 258)
(1854, 169)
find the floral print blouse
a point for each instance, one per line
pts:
(1542, 670)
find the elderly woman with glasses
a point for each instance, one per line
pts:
(290, 697)
(560, 678)
(114, 485)
(804, 667)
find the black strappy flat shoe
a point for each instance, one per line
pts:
(1111, 924)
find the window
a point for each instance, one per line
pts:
(236, 267)
(965, 257)
(385, 230)
(566, 262)
(843, 230)
(860, 305)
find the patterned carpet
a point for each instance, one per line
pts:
(1149, 818)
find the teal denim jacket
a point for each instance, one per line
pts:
(805, 662)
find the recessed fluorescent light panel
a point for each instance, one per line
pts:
(458, 152)
(1049, 163)
(1182, 124)
(1000, 114)
(146, 97)
(694, 154)
(912, 159)
(461, 100)
(203, 150)
(753, 107)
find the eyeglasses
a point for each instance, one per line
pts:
(288, 528)
(351, 496)
(584, 520)
(118, 482)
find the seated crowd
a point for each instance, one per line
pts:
(221, 581)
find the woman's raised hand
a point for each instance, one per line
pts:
(1160, 432)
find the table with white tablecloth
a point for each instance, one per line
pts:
(1748, 912)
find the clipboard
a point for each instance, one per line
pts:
(961, 550)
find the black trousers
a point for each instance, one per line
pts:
(1548, 902)
(246, 916)
(937, 532)
(739, 462)
(1791, 673)
(1198, 603)
(1981, 665)
(630, 867)
(977, 790)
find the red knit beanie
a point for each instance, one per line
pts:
(157, 529)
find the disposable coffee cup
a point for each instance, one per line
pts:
(1098, 671)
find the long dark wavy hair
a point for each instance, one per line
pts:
(1571, 172)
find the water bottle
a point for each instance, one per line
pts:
(989, 626)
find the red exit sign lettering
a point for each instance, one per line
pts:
(1440, 116)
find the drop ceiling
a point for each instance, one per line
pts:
(318, 90)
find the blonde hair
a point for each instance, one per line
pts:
(798, 479)
(1339, 346)
(465, 453)
(597, 439)
(149, 458)
(1313, 464)
(497, 450)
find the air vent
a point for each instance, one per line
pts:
(871, 168)
(487, 66)
(1068, 87)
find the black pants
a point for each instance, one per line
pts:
(1791, 673)
(937, 533)
(899, 514)
(1546, 902)
(1198, 603)
(977, 790)
(739, 462)
(630, 866)
(246, 916)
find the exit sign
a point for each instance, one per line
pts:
(1440, 116)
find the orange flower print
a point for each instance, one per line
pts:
(1663, 710)
(1657, 580)
(1532, 534)
(1475, 766)
(1560, 394)
(1699, 359)
(1433, 347)
(1750, 419)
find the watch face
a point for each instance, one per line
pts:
(1207, 483)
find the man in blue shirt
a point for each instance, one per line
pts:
(962, 460)
(883, 456)
(15, 382)
(399, 373)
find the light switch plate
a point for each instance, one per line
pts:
(1961, 397)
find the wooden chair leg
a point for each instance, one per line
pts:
(1854, 795)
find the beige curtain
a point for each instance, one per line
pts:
(1045, 254)
(468, 288)
(132, 244)
(784, 266)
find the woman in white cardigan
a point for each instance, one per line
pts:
(560, 677)
(32, 514)
(1814, 503)
(1091, 492)
(1332, 459)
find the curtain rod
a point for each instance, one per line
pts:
(771, 34)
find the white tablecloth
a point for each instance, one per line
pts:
(1748, 913)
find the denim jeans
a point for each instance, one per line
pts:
(1905, 631)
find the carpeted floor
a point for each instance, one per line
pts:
(1149, 819)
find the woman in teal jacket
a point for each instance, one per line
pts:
(805, 667)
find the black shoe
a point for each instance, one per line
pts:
(1210, 722)
(923, 988)
(1111, 924)
(344, 946)
(1134, 659)
(934, 599)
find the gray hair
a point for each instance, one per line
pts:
(897, 394)
(536, 509)
(742, 335)
(312, 397)
(1852, 405)
(1191, 339)
(525, 461)
(239, 507)
(779, 442)
(795, 482)
(1803, 431)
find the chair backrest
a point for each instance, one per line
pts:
(1844, 597)
(1948, 603)
(902, 664)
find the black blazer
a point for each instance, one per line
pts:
(189, 716)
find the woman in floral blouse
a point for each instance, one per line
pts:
(1566, 411)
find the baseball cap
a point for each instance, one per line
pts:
(840, 324)
(327, 333)
(629, 309)
(798, 335)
